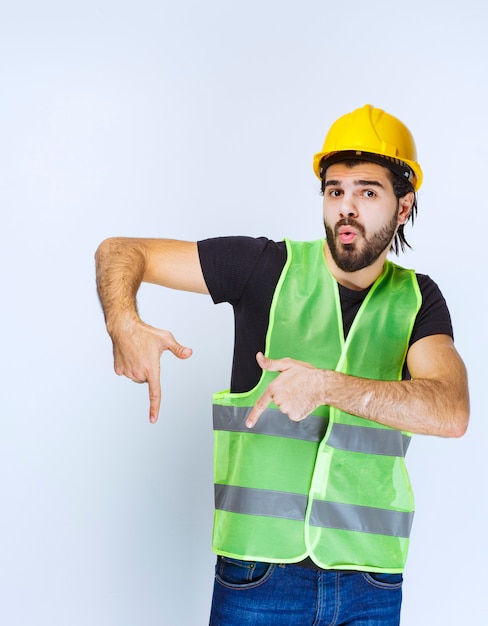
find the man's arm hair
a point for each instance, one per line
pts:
(434, 402)
(121, 265)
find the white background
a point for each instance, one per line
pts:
(192, 119)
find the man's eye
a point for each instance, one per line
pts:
(335, 193)
(369, 193)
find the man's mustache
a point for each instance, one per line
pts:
(349, 221)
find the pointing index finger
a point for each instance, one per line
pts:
(154, 383)
(258, 409)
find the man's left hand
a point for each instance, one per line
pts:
(296, 391)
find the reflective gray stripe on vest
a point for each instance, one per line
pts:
(368, 440)
(324, 514)
(342, 436)
(260, 502)
(271, 422)
(361, 518)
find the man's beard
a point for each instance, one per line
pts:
(352, 257)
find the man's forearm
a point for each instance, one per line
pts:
(120, 270)
(435, 402)
(430, 407)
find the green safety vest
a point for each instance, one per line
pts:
(334, 486)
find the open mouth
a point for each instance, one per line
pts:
(347, 234)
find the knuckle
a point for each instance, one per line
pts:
(167, 335)
(137, 376)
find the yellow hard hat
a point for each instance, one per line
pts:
(367, 133)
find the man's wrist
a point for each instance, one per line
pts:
(325, 383)
(122, 324)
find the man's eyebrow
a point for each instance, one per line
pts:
(359, 183)
(368, 183)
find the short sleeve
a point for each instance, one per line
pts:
(434, 317)
(227, 264)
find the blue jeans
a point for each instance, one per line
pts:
(267, 594)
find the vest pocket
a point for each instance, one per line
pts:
(235, 573)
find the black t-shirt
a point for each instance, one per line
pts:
(244, 271)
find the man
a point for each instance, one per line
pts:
(339, 356)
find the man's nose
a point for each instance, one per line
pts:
(348, 207)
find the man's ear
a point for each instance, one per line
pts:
(405, 207)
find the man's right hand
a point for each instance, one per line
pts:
(121, 265)
(137, 355)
